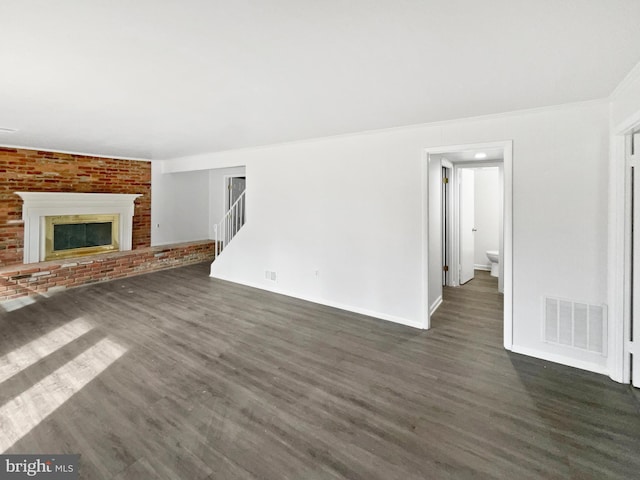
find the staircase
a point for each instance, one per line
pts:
(230, 225)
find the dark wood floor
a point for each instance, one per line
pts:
(180, 376)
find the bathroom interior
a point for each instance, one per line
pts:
(487, 219)
(471, 215)
(465, 221)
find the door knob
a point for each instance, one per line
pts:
(474, 229)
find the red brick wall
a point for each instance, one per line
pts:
(36, 171)
(38, 278)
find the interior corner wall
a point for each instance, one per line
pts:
(179, 206)
(340, 219)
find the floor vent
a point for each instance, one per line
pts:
(575, 324)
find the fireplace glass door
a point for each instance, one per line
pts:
(78, 235)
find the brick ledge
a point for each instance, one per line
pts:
(37, 278)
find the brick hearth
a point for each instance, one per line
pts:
(46, 277)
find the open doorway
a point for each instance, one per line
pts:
(478, 213)
(234, 205)
(234, 187)
(631, 350)
(624, 254)
(450, 226)
(447, 173)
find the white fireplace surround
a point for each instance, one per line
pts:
(38, 205)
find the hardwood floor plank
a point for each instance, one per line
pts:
(224, 381)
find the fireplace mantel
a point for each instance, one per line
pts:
(38, 205)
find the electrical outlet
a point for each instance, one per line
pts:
(273, 276)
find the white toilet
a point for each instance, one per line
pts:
(494, 258)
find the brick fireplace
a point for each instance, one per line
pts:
(24, 170)
(41, 212)
(33, 173)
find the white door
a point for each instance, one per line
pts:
(467, 224)
(633, 157)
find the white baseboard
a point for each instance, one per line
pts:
(486, 268)
(561, 359)
(435, 305)
(328, 303)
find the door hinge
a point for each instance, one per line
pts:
(445, 180)
(445, 268)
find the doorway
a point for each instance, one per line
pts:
(234, 187)
(447, 173)
(624, 254)
(479, 210)
(449, 223)
(632, 303)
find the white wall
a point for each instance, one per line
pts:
(487, 213)
(179, 206)
(351, 208)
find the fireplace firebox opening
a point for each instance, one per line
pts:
(78, 235)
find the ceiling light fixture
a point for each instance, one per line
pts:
(8, 130)
(480, 155)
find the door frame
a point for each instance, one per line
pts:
(507, 222)
(619, 253)
(447, 225)
(455, 219)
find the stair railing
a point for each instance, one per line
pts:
(231, 223)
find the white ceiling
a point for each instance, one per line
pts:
(160, 79)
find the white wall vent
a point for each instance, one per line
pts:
(575, 324)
